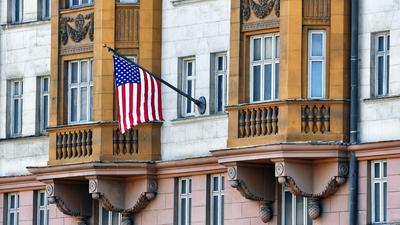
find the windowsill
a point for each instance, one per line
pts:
(190, 119)
(22, 137)
(182, 2)
(28, 23)
(381, 98)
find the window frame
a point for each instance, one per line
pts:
(220, 194)
(43, 6)
(311, 58)
(14, 18)
(88, 84)
(275, 59)
(44, 208)
(42, 94)
(15, 210)
(20, 98)
(216, 74)
(110, 216)
(306, 219)
(386, 65)
(188, 197)
(184, 87)
(80, 4)
(381, 180)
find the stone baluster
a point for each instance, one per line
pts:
(89, 142)
(80, 144)
(242, 123)
(84, 143)
(248, 123)
(258, 121)
(253, 122)
(264, 114)
(275, 120)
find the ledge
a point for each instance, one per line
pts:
(381, 98)
(182, 2)
(24, 24)
(191, 119)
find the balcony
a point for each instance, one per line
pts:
(102, 141)
(287, 121)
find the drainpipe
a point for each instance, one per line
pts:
(354, 107)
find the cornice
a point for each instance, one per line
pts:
(387, 149)
(20, 183)
(188, 167)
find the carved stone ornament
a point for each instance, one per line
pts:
(266, 212)
(141, 203)
(81, 29)
(261, 9)
(82, 220)
(314, 208)
(50, 190)
(92, 186)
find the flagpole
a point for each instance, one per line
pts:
(200, 103)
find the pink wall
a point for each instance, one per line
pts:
(1, 207)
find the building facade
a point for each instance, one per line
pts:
(272, 147)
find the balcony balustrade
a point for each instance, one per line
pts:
(287, 121)
(102, 141)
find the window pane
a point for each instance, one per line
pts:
(91, 70)
(276, 80)
(215, 210)
(104, 216)
(41, 199)
(45, 111)
(47, 8)
(268, 82)
(190, 186)
(222, 209)
(220, 63)
(183, 211)
(268, 48)
(189, 69)
(215, 183)
(277, 47)
(257, 49)
(115, 218)
(12, 215)
(299, 211)
(75, 2)
(12, 202)
(45, 84)
(288, 208)
(384, 169)
(85, 1)
(384, 201)
(74, 72)
(84, 69)
(377, 202)
(17, 10)
(84, 105)
(377, 170)
(183, 186)
(381, 43)
(74, 104)
(380, 75)
(17, 118)
(316, 44)
(388, 43)
(220, 93)
(16, 88)
(256, 83)
(316, 79)
(222, 183)
(41, 217)
(189, 91)
(387, 72)
(190, 211)
(91, 103)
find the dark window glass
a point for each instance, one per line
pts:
(267, 82)
(256, 83)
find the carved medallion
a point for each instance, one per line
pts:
(92, 186)
(261, 9)
(279, 169)
(50, 190)
(83, 24)
(152, 185)
(232, 173)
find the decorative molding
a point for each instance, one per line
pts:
(316, 11)
(75, 49)
(245, 191)
(141, 203)
(67, 210)
(260, 25)
(81, 29)
(266, 212)
(261, 9)
(314, 207)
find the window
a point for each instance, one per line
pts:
(217, 199)
(46, 9)
(264, 67)
(16, 7)
(80, 91)
(294, 209)
(44, 103)
(77, 3)
(16, 107)
(382, 64)
(188, 86)
(379, 191)
(128, 1)
(185, 201)
(109, 217)
(316, 64)
(13, 209)
(218, 83)
(42, 208)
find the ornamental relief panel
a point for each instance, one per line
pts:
(260, 14)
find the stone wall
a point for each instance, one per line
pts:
(375, 114)
(196, 29)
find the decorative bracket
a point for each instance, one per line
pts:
(298, 178)
(256, 183)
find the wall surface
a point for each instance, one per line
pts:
(379, 16)
(198, 29)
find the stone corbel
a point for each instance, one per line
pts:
(306, 179)
(71, 198)
(116, 195)
(256, 183)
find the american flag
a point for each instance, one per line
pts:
(138, 95)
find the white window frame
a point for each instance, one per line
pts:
(385, 54)
(220, 73)
(19, 98)
(220, 193)
(275, 59)
(322, 59)
(10, 210)
(88, 84)
(110, 214)
(185, 79)
(381, 179)
(80, 3)
(43, 94)
(44, 208)
(294, 209)
(44, 9)
(188, 196)
(14, 18)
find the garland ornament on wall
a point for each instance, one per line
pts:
(261, 9)
(81, 29)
